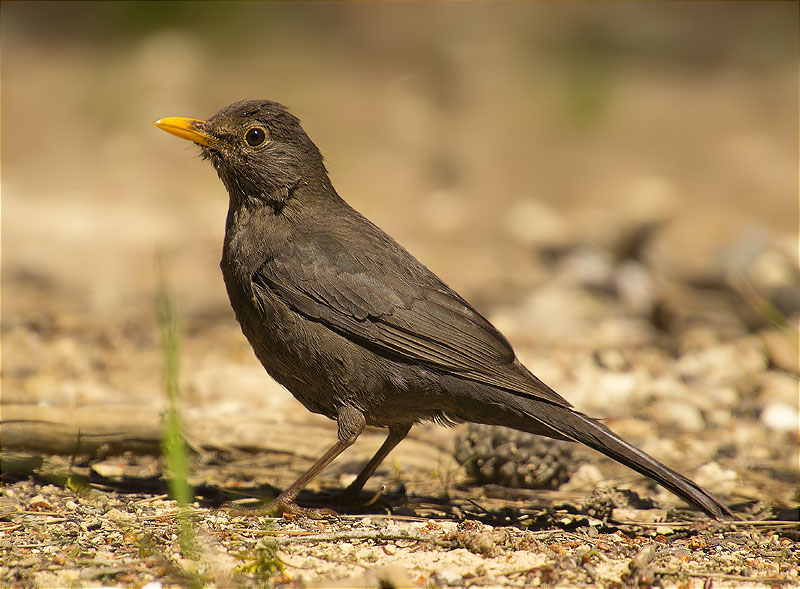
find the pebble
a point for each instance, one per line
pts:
(39, 503)
(587, 476)
(121, 517)
(781, 417)
(91, 525)
(782, 349)
(109, 470)
(630, 514)
(635, 286)
(535, 223)
(725, 364)
(643, 558)
(612, 359)
(387, 576)
(606, 393)
(450, 575)
(587, 267)
(716, 479)
(679, 415)
(778, 387)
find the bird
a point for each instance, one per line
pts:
(353, 325)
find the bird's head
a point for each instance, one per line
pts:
(257, 147)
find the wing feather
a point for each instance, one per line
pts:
(410, 318)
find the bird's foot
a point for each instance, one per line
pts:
(283, 506)
(351, 497)
(288, 508)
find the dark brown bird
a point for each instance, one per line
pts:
(352, 324)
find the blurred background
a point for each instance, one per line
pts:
(592, 176)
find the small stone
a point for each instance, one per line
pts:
(535, 223)
(612, 359)
(120, 517)
(586, 477)
(679, 415)
(390, 576)
(782, 349)
(587, 268)
(70, 530)
(612, 393)
(635, 286)
(628, 514)
(781, 417)
(39, 503)
(778, 387)
(450, 575)
(664, 530)
(91, 525)
(643, 558)
(716, 479)
(108, 470)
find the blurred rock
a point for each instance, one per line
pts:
(696, 318)
(733, 278)
(628, 514)
(549, 314)
(719, 418)
(783, 348)
(587, 267)
(109, 470)
(24, 351)
(781, 417)
(716, 479)
(603, 393)
(611, 359)
(385, 577)
(218, 380)
(627, 230)
(635, 287)
(535, 223)
(771, 274)
(779, 387)
(713, 397)
(450, 575)
(726, 364)
(40, 503)
(679, 415)
(588, 476)
(120, 517)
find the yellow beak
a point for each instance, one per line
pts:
(191, 129)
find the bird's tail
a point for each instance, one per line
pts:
(577, 427)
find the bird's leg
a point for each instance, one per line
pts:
(396, 435)
(351, 423)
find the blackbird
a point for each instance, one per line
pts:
(352, 324)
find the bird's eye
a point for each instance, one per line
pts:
(255, 136)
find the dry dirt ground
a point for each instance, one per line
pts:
(614, 187)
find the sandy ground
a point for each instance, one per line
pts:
(621, 201)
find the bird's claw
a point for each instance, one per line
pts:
(289, 509)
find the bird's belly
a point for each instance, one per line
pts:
(324, 370)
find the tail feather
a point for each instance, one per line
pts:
(579, 428)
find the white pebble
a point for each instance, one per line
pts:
(781, 417)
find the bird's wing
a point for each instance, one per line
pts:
(404, 312)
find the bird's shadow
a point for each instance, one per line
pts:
(392, 502)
